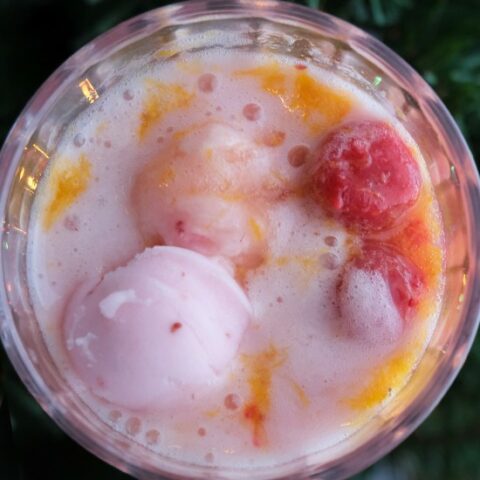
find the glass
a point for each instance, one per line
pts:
(245, 25)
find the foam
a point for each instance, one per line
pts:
(368, 309)
(292, 293)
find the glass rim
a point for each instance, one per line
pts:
(366, 46)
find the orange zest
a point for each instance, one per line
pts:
(390, 376)
(318, 105)
(67, 183)
(161, 98)
(261, 367)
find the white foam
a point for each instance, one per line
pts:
(367, 308)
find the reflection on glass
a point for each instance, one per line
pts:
(40, 150)
(88, 90)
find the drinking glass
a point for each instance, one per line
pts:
(279, 28)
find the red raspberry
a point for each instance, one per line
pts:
(367, 310)
(365, 175)
(406, 280)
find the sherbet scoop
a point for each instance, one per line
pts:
(158, 331)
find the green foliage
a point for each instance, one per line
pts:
(440, 38)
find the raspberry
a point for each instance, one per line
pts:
(377, 294)
(365, 175)
(406, 280)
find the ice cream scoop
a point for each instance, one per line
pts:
(200, 194)
(158, 331)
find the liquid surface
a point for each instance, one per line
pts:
(230, 157)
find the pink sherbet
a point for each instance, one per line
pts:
(212, 226)
(158, 331)
(202, 193)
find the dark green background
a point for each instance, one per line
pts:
(441, 39)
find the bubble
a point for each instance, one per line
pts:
(273, 138)
(331, 241)
(209, 458)
(115, 415)
(207, 82)
(122, 444)
(232, 401)
(329, 261)
(152, 436)
(79, 140)
(252, 111)
(132, 426)
(297, 156)
(128, 95)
